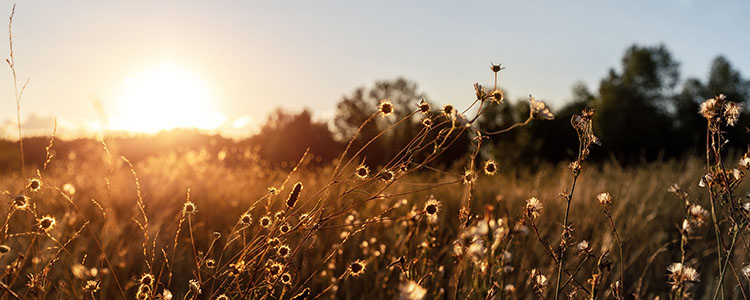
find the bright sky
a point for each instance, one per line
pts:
(234, 61)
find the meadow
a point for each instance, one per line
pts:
(93, 225)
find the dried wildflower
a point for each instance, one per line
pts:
(538, 279)
(427, 122)
(265, 221)
(469, 177)
(92, 286)
(385, 107)
(294, 195)
(278, 215)
(195, 286)
(497, 96)
(21, 202)
(357, 267)
(448, 110)
(732, 111)
(699, 214)
(286, 278)
(273, 242)
(490, 167)
(273, 190)
(432, 207)
(143, 292)
(147, 279)
(189, 208)
(708, 108)
(302, 295)
(222, 297)
(604, 198)
(424, 107)
(745, 161)
(284, 228)
(34, 185)
(283, 251)
(480, 92)
(275, 268)
(679, 273)
(210, 263)
(584, 247)
(534, 208)
(387, 175)
(246, 219)
(411, 290)
(362, 171)
(166, 294)
(4, 249)
(746, 271)
(46, 223)
(496, 67)
(539, 109)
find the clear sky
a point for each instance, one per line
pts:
(237, 60)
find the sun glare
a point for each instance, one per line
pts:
(165, 97)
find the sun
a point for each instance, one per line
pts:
(165, 97)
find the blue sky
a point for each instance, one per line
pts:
(254, 56)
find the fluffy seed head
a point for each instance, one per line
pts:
(539, 109)
(604, 198)
(534, 208)
(732, 112)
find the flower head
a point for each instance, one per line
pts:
(448, 110)
(362, 171)
(732, 111)
(427, 122)
(246, 219)
(534, 208)
(21, 202)
(432, 207)
(265, 221)
(424, 107)
(189, 208)
(283, 251)
(539, 109)
(46, 223)
(604, 198)
(34, 185)
(490, 167)
(357, 267)
(385, 107)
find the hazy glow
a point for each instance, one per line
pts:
(165, 97)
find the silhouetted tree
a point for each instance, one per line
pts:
(285, 136)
